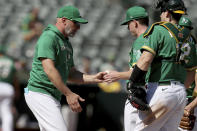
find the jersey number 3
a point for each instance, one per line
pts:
(185, 51)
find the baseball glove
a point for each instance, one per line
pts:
(187, 122)
(137, 98)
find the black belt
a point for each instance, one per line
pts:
(163, 83)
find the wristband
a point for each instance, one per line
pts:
(137, 74)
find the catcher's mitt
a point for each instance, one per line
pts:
(137, 97)
(187, 122)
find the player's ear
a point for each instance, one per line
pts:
(167, 14)
(136, 23)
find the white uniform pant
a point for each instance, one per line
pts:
(167, 104)
(130, 115)
(47, 111)
(70, 117)
(6, 97)
(195, 126)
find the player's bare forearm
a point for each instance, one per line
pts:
(190, 107)
(195, 89)
(189, 78)
(97, 78)
(54, 76)
(112, 76)
(78, 77)
(145, 60)
(125, 75)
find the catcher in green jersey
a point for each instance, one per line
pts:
(188, 121)
(52, 67)
(170, 56)
(137, 21)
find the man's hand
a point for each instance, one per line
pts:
(73, 101)
(111, 76)
(99, 77)
(187, 121)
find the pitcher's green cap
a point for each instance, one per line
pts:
(184, 21)
(71, 13)
(134, 13)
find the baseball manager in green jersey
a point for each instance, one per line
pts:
(52, 67)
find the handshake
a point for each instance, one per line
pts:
(106, 76)
(111, 76)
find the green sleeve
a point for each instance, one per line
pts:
(46, 47)
(154, 41)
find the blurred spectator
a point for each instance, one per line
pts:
(9, 90)
(85, 67)
(32, 25)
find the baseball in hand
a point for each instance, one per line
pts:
(107, 71)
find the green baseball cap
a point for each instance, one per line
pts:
(71, 13)
(134, 13)
(184, 21)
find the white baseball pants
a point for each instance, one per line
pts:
(130, 115)
(6, 97)
(167, 103)
(47, 111)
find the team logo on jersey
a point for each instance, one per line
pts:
(180, 35)
(68, 56)
(63, 47)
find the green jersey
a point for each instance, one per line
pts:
(7, 69)
(191, 89)
(162, 44)
(135, 52)
(52, 45)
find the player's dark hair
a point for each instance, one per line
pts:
(176, 16)
(144, 21)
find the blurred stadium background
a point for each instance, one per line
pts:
(103, 41)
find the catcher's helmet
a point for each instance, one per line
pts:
(175, 6)
(184, 21)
